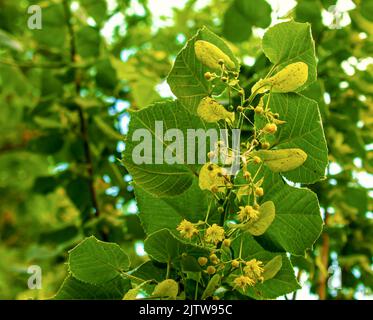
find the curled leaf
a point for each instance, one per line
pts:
(272, 268)
(209, 55)
(282, 160)
(166, 289)
(212, 111)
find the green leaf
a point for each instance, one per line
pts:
(242, 15)
(139, 78)
(78, 191)
(282, 283)
(106, 76)
(96, 9)
(88, 42)
(53, 32)
(290, 42)
(189, 264)
(143, 91)
(163, 179)
(298, 222)
(310, 11)
(49, 143)
(272, 267)
(186, 78)
(303, 130)
(316, 92)
(107, 129)
(167, 212)
(59, 235)
(211, 287)
(366, 9)
(73, 289)
(96, 262)
(163, 246)
(150, 270)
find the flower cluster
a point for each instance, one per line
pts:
(248, 213)
(254, 270)
(187, 229)
(214, 178)
(252, 274)
(243, 281)
(212, 234)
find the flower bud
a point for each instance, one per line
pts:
(227, 242)
(211, 270)
(259, 192)
(235, 264)
(257, 160)
(270, 128)
(202, 261)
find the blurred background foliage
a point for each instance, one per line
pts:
(66, 94)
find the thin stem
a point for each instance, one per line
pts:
(225, 206)
(208, 210)
(131, 277)
(270, 71)
(257, 172)
(196, 291)
(168, 269)
(241, 244)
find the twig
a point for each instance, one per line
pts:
(12, 147)
(83, 125)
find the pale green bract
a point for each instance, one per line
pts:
(289, 79)
(211, 56)
(282, 160)
(258, 227)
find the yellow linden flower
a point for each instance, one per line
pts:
(242, 215)
(214, 234)
(252, 213)
(254, 269)
(243, 281)
(248, 212)
(187, 229)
